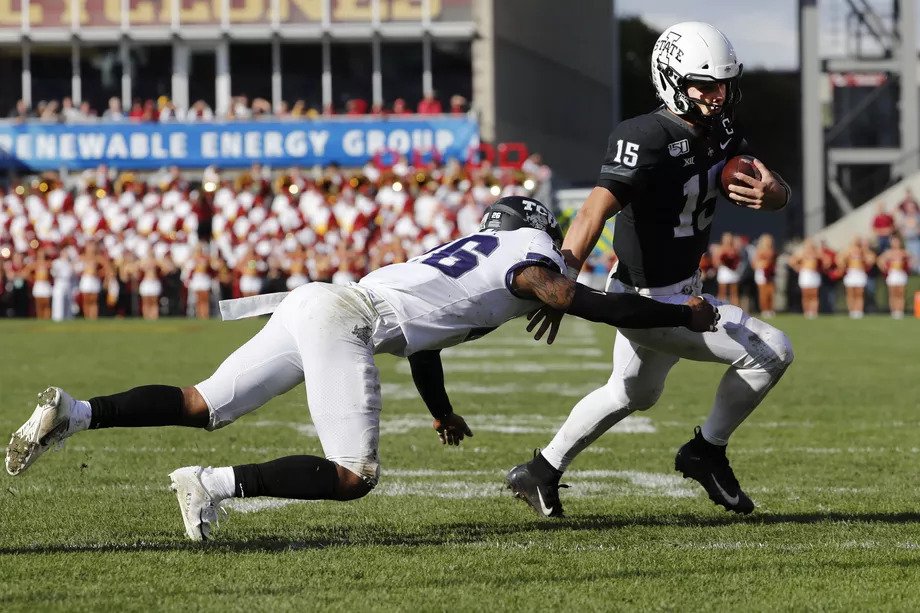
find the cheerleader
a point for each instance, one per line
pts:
(199, 286)
(90, 282)
(728, 259)
(41, 285)
(765, 274)
(856, 261)
(895, 262)
(807, 263)
(150, 289)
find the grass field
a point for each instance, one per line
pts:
(830, 458)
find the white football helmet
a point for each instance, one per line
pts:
(694, 51)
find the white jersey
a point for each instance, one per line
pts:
(461, 290)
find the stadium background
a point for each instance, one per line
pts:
(315, 82)
(830, 457)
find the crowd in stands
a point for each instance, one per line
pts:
(164, 245)
(163, 109)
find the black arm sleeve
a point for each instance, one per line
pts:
(621, 191)
(627, 310)
(428, 375)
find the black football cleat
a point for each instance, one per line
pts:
(707, 463)
(540, 493)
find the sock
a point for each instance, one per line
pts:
(219, 481)
(148, 405)
(702, 444)
(591, 417)
(543, 470)
(302, 477)
(80, 417)
(739, 393)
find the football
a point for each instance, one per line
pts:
(739, 163)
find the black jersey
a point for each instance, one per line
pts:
(671, 170)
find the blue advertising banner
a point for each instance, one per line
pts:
(39, 146)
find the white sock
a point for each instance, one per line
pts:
(592, 416)
(80, 416)
(739, 393)
(219, 481)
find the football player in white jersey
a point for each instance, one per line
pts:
(327, 335)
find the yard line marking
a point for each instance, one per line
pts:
(603, 482)
(516, 367)
(631, 424)
(407, 391)
(499, 352)
(502, 424)
(253, 505)
(559, 343)
(755, 424)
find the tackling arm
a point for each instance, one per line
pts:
(624, 310)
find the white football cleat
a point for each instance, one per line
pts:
(48, 425)
(198, 507)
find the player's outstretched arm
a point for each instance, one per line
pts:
(428, 375)
(623, 310)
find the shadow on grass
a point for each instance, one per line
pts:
(463, 533)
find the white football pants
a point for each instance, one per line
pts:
(320, 334)
(757, 355)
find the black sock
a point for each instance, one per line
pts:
(303, 477)
(543, 469)
(148, 405)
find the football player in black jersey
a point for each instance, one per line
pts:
(661, 174)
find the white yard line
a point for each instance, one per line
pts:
(407, 391)
(467, 352)
(502, 424)
(515, 367)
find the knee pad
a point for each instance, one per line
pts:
(768, 349)
(781, 355)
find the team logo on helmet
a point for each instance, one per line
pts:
(513, 212)
(667, 45)
(538, 216)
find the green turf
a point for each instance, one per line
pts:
(830, 458)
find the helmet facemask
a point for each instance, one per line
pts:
(689, 107)
(695, 52)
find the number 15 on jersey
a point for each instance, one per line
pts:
(700, 204)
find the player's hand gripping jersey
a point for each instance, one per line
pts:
(462, 290)
(665, 174)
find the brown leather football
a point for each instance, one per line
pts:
(740, 163)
